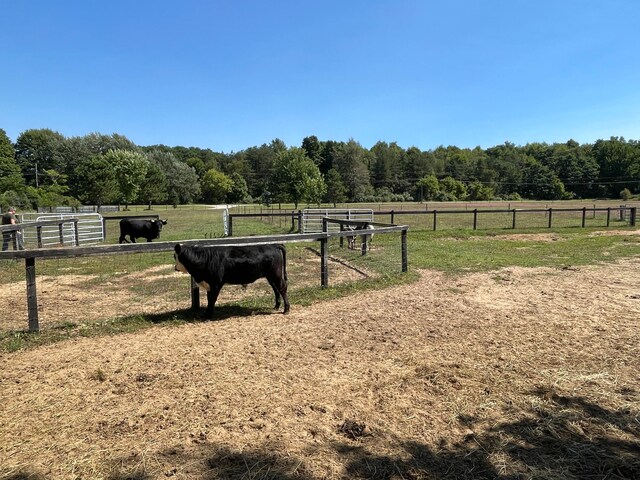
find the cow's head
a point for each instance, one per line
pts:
(159, 223)
(179, 266)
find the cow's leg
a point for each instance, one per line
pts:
(279, 286)
(123, 238)
(212, 296)
(276, 291)
(133, 239)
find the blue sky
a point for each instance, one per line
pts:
(228, 75)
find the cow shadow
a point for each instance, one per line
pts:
(221, 312)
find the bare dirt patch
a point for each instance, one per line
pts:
(517, 373)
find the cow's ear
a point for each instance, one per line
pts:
(178, 248)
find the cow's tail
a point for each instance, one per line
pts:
(284, 262)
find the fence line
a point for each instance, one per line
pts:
(513, 212)
(30, 256)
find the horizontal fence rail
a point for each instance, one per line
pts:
(476, 215)
(31, 255)
(631, 211)
(22, 228)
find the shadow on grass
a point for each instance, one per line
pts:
(561, 438)
(15, 340)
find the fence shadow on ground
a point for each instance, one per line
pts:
(567, 437)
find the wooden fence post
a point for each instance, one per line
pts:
(550, 213)
(475, 219)
(584, 216)
(435, 220)
(324, 257)
(403, 241)
(60, 232)
(32, 297)
(39, 236)
(299, 221)
(231, 224)
(632, 216)
(76, 235)
(392, 216)
(608, 215)
(513, 222)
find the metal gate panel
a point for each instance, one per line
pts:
(90, 229)
(312, 217)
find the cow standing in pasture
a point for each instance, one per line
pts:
(366, 239)
(212, 267)
(137, 228)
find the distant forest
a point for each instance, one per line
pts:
(44, 168)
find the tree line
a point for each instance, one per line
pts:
(44, 168)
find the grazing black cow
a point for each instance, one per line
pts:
(212, 267)
(135, 228)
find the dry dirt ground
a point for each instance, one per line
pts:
(517, 373)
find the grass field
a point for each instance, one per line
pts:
(502, 354)
(68, 284)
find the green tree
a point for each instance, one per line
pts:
(313, 148)
(387, 167)
(10, 173)
(130, 170)
(183, 183)
(428, 188)
(154, 186)
(352, 162)
(452, 189)
(38, 150)
(297, 178)
(216, 186)
(239, 190)
(98, 177)
(540, 182)
(479, 192)
(619, 163)
(336, 191)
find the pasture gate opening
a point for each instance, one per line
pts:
(30, 256)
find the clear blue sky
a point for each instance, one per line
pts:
(228, 75)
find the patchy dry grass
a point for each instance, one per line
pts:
(514, 373)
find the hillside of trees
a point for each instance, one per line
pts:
(44, 168)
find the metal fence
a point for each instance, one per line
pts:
(89, 229)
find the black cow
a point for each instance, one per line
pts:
(135, 228)
(212, 267)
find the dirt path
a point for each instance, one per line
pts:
(446, 374)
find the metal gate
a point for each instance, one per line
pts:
(90, 229)
(312, 217)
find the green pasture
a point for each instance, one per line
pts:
(452, 248)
